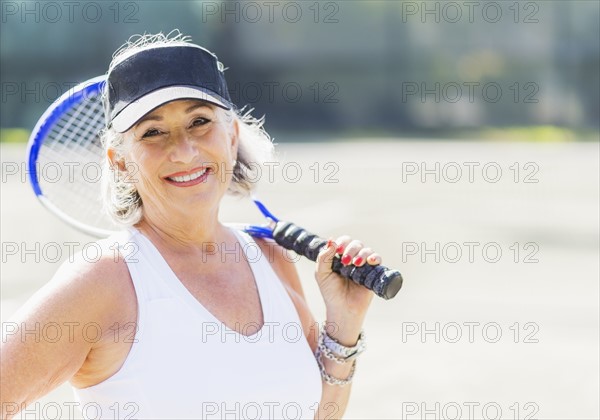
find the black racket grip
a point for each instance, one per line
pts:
(381, 280)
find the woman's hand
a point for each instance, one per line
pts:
(346, 302)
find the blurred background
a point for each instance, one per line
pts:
(352, 68)
(380, 108)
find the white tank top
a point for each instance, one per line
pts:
(184, 363)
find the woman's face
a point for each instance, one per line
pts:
(181, 156)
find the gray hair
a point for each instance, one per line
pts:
(255, 147)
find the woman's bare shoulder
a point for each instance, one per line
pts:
(91, 283)
(84, 292)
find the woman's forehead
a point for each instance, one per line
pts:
(186, 105)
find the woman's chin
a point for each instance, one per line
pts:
(192, 199)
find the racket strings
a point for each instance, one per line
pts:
(70, 163)
(75, 130)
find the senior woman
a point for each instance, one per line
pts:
(185, 323)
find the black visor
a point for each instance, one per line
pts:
(150, 78)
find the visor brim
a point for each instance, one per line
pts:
(133, 112)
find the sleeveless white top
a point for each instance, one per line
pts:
(184, 363)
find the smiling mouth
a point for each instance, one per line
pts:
(189, 179)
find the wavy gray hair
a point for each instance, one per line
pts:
(121, 199)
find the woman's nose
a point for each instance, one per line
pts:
(184, 148)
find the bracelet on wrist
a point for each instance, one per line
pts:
(332, 380)
(331, 355)
(334, 350)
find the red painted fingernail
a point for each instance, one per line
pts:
(339, 249)
(346, 259)
(357, 261)
(329, 243)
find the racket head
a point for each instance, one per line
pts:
(65, 159)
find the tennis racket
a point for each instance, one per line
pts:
(65, 158)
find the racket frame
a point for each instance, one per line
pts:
(60, 106)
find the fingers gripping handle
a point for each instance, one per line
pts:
(381, 280)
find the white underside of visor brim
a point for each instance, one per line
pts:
(136, 110)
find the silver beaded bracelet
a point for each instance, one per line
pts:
(332, 380)
(325, 351)
(334, 350)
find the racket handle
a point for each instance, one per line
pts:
(381, 280)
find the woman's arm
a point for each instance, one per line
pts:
(48, 340)
(345, 319)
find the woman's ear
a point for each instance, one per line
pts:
(235, 136)
(116, 161)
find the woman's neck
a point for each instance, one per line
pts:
(180, 232)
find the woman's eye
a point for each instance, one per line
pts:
(151, 133)
(200, 121)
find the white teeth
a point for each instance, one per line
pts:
(186, 178)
